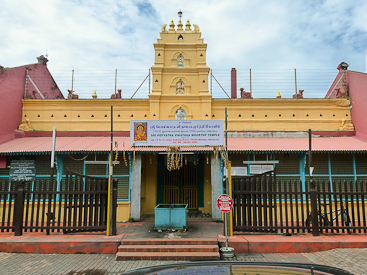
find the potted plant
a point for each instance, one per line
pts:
(130, 219)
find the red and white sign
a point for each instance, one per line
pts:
(225, 203)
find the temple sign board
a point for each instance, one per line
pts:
(260, 169)
(22, 170)
(177, 132)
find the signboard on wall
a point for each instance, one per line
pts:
(236, 171)
(22, 170)
(177, 132)
(260, 169)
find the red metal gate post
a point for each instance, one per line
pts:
(19, 209)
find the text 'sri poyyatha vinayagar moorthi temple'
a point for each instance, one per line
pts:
(170, 148)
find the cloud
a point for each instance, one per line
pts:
(110, 34)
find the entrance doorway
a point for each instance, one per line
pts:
(182, 186)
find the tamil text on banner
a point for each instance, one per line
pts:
(177, 132)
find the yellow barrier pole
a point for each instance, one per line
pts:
(110, 172)
(109, 197)
(230, 194)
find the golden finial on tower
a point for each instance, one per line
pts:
(278, 95)
(94, 95)
(172, 26)
(188, 26)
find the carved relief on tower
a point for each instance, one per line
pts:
(180, 112)
(180, 85)
(180, 59)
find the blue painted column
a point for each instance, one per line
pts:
(302, 171)
(354, 168)
(60, 172)
(329, 168)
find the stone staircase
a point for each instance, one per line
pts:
(168, 249)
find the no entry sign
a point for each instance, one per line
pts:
(225, 203)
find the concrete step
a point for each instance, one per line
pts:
(189, 256)
(168, 248)
(191, 241)
(199, 249)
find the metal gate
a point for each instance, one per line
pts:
(253, 207)
(262, 204)
(79, 204)
(85, 203)
(180, 186)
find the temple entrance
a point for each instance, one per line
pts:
(182, 186)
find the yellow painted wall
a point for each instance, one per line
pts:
(294, 211)
(282, 114)
(149, 184)
(243, 114)
(83, 114)
(123, 211)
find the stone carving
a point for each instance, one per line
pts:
(180, 114)
(33, 95)
(346, 125)
(299, 94)
(163, 28)
(94, 95)
(42, 59)
(180, 87)
(340, 94)
(25, 126)
(116, 96)
(71, 95)
(245, 94)
(188, 26)
(180, 61)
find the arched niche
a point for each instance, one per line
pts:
(172, 113)
(186, 60)
(186, 85)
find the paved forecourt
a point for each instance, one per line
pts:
(349, 259)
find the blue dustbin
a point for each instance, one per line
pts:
(171, 216)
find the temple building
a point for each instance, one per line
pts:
(263, 134)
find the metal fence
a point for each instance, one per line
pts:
(80, 205)
(263, 204)
(263, 83)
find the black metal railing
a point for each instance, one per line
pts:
(79, 205)
(263, 204)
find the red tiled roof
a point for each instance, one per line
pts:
(29, 145)
(326, 144)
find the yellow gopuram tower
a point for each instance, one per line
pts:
(180, 75)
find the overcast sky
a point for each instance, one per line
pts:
(108, 35)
